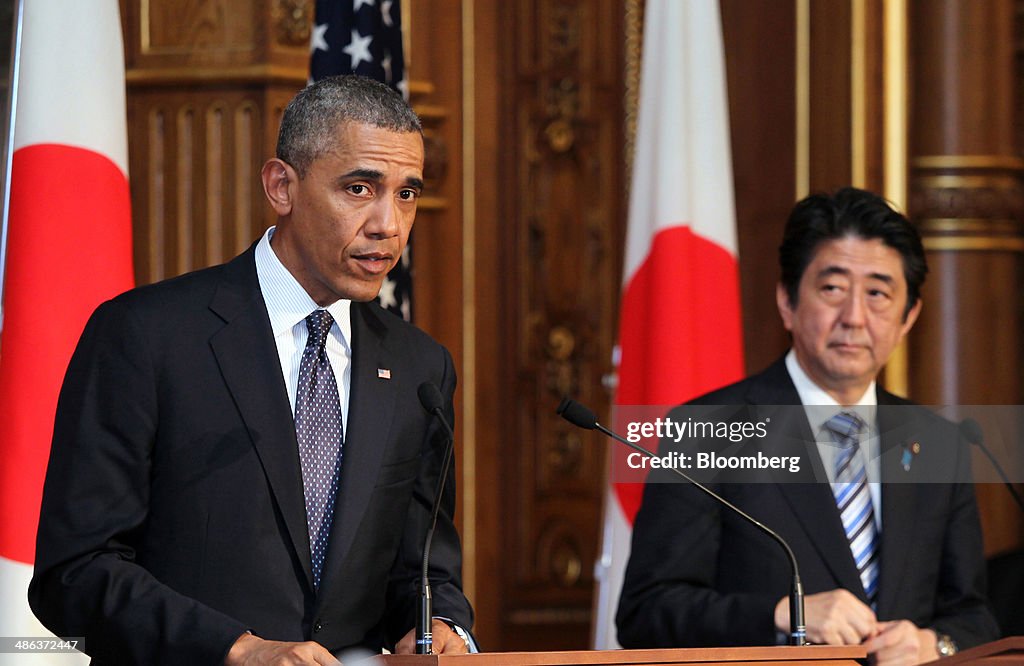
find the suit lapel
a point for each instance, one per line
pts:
(810, 500)
(899, 499)
(249, 363)
(370, 414)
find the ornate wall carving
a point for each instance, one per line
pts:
(567, 229)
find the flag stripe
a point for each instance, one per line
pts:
(69, 248)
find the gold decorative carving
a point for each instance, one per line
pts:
(973, 243)
(558, 555)
(565, 455)
(566, 565)
(564, 148)
(560, 135)
(967, 181)
(966, 202)
(562, 104)
(967, 187)
(633, 49)
(967, 162)
(968, 226)
(561, 378)
(563, 30)
(435, 160)
(292, 21)
(561, 343)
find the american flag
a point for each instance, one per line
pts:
(365, 37)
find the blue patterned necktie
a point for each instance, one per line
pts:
(854, 499)
(319, 431)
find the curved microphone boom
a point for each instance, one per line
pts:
(582, 417)
(971, 431)
(432, 401)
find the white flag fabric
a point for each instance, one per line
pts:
(680, 332)
(69, 248)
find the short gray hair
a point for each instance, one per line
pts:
(310, 121)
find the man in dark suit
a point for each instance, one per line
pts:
(889, 544)
(241, 469)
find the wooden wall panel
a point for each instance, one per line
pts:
(967, 197)
(207, 80)
(565, 214)
(760, 61)
(196, 195)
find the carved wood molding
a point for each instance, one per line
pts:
(292, 20)
(969, 202)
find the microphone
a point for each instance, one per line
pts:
(971, 431)
(430, 398)
(582, 417)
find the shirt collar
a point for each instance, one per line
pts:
(819, 405)
(287, 302)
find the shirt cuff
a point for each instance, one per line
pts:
(462, 633)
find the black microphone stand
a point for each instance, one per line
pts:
(582, 417)
(430, 397)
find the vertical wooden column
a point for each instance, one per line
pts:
(967, 198)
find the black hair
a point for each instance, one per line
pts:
(849, 212)
(310, 122)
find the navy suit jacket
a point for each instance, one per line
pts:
(173, 517)
(699, 575)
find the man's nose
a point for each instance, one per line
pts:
(385, 219)
(854, 309)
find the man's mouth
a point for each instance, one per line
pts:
(374, 262)
(847, 346)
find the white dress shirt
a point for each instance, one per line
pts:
(288, 305)
(820, 407)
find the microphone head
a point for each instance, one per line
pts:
(577, 414)
(430, 397)
(971, 431)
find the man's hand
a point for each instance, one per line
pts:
(446, 641)
(251, 650)
(835, 617)
(901, 642)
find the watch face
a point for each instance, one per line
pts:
(945, 646)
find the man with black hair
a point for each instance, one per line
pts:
(889, 544)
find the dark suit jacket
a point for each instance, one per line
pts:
(173, 517)
(698, 575)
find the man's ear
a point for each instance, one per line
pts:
(911, 317)
(785, 307)
(278, 176)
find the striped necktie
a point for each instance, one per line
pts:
(854, 500)
(319, 431)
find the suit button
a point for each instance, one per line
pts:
(317, 627)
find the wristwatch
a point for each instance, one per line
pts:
(946, 646)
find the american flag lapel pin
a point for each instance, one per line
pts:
(383, 373)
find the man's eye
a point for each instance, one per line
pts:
(358, 189)
(408, 195)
